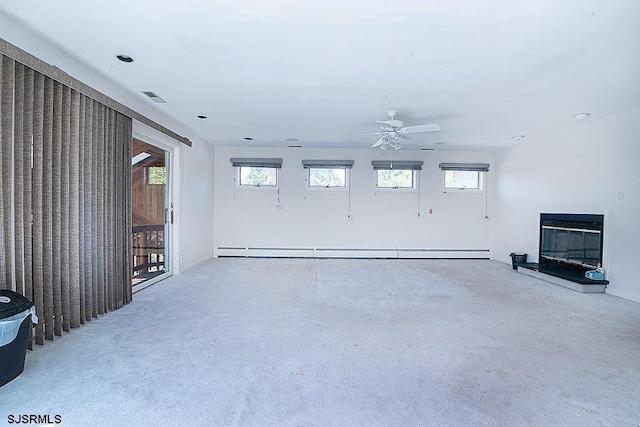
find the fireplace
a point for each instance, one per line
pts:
(570, 243)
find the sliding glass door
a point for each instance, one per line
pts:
(151, 214)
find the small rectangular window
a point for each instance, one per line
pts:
(250, 176)
(327, 178)
(393, 178)
(458, 180)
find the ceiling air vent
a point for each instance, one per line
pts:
(154, 97)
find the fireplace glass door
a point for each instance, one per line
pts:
(577, 246)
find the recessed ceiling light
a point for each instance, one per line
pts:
(581, 116)
(292, 139)
(202, 117)
(248, 138)
(124, 58)
(517, 137)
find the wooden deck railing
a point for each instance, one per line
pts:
(148, 250)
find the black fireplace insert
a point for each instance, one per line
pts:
(571, 243)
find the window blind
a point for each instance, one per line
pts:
(397, 164)
(256, 162)
(480, 167)
(327, 164)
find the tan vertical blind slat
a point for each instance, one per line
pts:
(47, 208)
(18, 177)
(120, 224)
(81, 206)
(65, 228)
(6, 173)
(38, 206)
(27, 183)
(57, 224)
(100, 277)
(126, 141)
(110, 211)
(95, 232)
(75, 231)
(88, 226)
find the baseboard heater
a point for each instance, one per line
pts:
(249, 252)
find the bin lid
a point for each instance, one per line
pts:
(12, 303)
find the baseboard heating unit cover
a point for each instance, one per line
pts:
(385, 253)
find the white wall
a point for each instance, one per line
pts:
(319, 219)
(196, 180)
(581, 170)
(196, 204)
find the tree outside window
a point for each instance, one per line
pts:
(322, 177)
(258, 177)
(157, 175)
(395, 178)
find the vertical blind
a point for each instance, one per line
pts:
(66, 200)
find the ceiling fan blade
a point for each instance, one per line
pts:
(379, 142)
(431, 127)
(413, 138)
(363, 134)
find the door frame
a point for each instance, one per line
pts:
(151, 136)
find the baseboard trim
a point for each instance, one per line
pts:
(384, 253)
(622, 294)
(194, 264)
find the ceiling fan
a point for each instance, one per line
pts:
(393, 131)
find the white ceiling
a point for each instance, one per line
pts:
(320, 70)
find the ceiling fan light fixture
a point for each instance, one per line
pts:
(394, 130)
(581, 116)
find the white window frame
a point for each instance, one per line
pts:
(414, 182)
(481, 182)
(347, 181)
(238, 172)
(174, 255)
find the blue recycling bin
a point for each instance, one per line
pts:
(16, 315)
